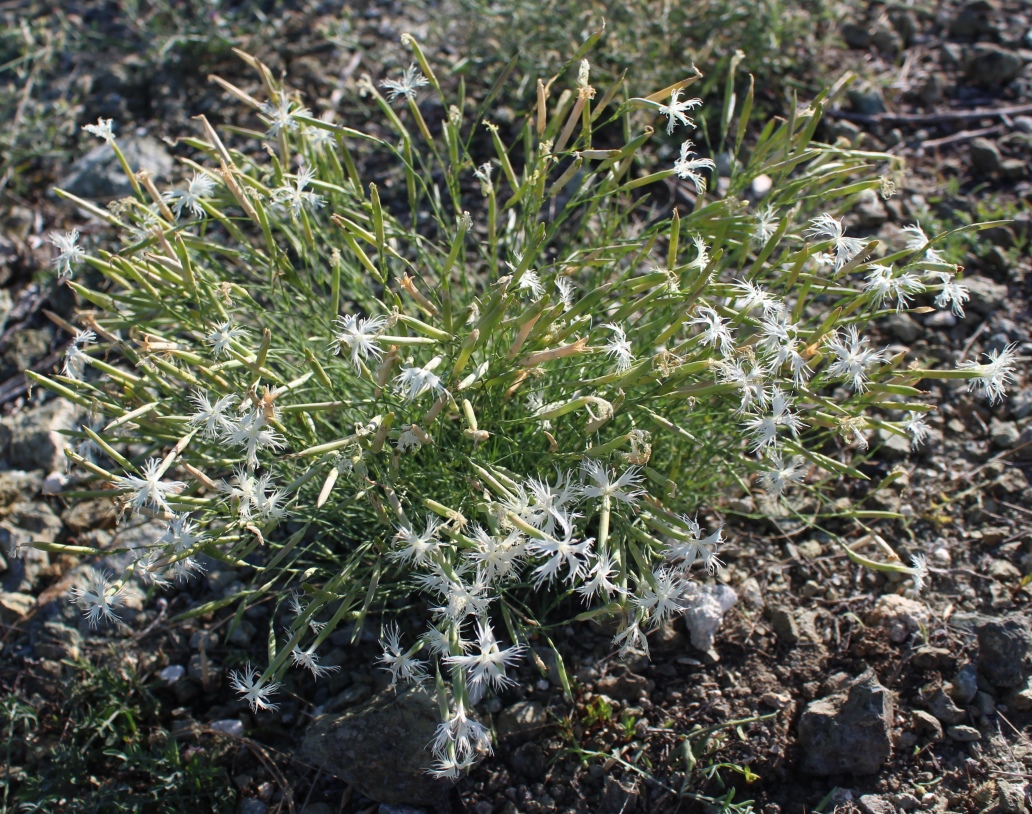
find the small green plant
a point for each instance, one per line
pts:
(98, 741)
(509, 385)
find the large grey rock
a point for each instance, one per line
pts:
(848, 732)
(31, 439)
(99, 175)
(26, 523)
(381, 748)
(985, 156)
(1004, 648)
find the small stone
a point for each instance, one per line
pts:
(870, 210)
(13, 606)
(1021, 698)
(1013, 168)
(785, 625)
(1010, 797)
(856, 36)
(57, 641)
(901, 615)
(228, 726)
(903, 327)
(17, 486)
(1003, 434)
(963, 734)
(926, 724)
(530, 761)
(1004, 646)
(32, 438)
(705, 606)
(985, 156)
(623, 685)
(866, 99)
(992, 65)
(1003, 571)
(251, 805)
(872, 804)
(172, 673)
(943, 708)
(964, 686)
(521, 722)
(933, 658)
(810, 549)
(850, 732)
(986, 295)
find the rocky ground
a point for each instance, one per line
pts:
(827, 687)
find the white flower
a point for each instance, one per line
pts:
(200, 186)
(852, 358)
(102, 129)
(675, 110)
(252, 432)
(783, 474)
(310, 661)
(919, 564)
(660, 596)
(267, 498)
(626, 488)
(765, 428)
(296, 197)
(70, 253)
(530, 281)
(918, 240)
(766, 226)
(212, 416)
(466, 735)
(406, 86)
(283, 115)
(715, 332)
(599, 578)
(916, 427)
(97, 599)
(631, 640)
(75, 362)
(483, 175)
(417, 548)
(952, 293)
(255, 691)
(181, 536)
(560, 552)
(449, 768)
(564, 288)
(751, 383)
(299, 610)
(399, 662)
(221, 336)
(497, 556)
(884, 282)
(696, 548)
(702, 257)
(688, 168)
(825, 227)
(414, 381)
(994, 375)
(487, 667)
(461, 598)
(545, 505)
(149, 491)
(619, 347)
(750, 295)
(358, 334)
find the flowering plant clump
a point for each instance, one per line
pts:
(508, 385)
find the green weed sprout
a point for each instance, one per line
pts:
(507, 381)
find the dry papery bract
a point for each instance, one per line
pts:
(519, 388)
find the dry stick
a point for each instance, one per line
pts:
(963, 135)
(930, 118)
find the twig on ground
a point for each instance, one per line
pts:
(930, 118)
